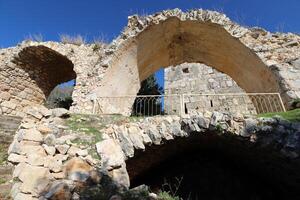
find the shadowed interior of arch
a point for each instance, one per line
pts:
(209, 166)
(46, 68)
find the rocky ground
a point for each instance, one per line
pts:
(8, 127)
(59, 155)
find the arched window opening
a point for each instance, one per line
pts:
(61, 96)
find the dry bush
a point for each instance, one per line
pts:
(99, 42)
(34, 37)
(77, 40)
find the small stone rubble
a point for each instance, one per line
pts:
(45, 158)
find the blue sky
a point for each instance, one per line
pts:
(105, 19)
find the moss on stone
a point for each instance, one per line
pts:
(3, 154)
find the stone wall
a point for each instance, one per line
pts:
(258, 60)
(31, 70)
(196, 78)
(52, 162)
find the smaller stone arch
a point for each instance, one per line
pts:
(30, 76)
(46, 67)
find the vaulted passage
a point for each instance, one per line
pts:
(214, 167)
(46, 67)
(173, 42)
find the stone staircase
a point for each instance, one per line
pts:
(8, 127)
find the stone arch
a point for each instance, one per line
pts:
(209, 38)
(46, 67)
(204, 162)
(32, 73)
(130, 152)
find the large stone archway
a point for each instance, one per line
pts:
(173, 37)
(258, 60)
(173, 42)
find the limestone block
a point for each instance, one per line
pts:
(154, 134)
(9, 105)
(32, 149)
(36, 160)
(50, 150)
(22, 196)
(63, 149)
(60, 112)
(82, 153)
(121, 177)
(50, 140)
(32, 135)
(125, 141)
(5, 96)
(53, 164)
(15, 158)
(32, 177)
(73, 150)
(136, 137)
(35, 113)
(110, 153)
(44, 129)
(14, 147)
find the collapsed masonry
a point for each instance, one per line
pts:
(257, 60)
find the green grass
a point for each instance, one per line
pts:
(91, 126)
(3, 154)
(2, 181)
(167, 196)
(292, 115)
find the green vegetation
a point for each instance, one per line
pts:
(148, 87)
(3, 154)
(86, 124)
(296, 103)
(167, 196)
(60, 97)
(76, 40)
(292, 115)
(2, 180)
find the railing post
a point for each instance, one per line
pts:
(281, 102)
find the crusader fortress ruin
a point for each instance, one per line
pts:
(218, 77)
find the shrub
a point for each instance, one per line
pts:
(77, 40)
(60, 97)
(34, 37)
(296, 103)
(167, 196)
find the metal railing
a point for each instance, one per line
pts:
(149, 105)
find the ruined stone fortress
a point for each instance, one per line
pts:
(203, 52)
(257, 60)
